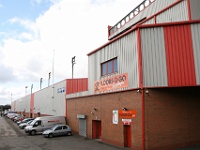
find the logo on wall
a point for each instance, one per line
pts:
(61, 90)
(112, 83)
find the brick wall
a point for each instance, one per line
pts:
(105, 104)
(172, 118)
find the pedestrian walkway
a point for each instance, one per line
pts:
(5, 129)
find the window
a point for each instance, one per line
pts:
(109, 67)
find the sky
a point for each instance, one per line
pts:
(41, 36)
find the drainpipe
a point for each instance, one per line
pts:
(143, 121)
(141, 85)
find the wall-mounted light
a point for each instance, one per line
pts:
(124, 108)
(147, 91)
(91, 112)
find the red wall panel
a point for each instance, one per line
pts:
(76, 85)
(32, 102)
(179, 56)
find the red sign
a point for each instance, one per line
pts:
(127, 114)
(112, 83)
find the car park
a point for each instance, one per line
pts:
(58, 130)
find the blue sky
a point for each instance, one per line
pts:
(36, 33)
(23, 9)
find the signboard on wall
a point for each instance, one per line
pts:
(126, 121)
(112, 83)
(115, 116)
(127, 114)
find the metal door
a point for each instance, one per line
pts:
(82, 127)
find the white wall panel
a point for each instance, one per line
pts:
(195, 28)
(125, 49)
(176, 13)
(153, 57)
(49, 101)
(195, 6)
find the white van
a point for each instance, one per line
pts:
(39, 124)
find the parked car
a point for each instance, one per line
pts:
(23, 125)
(10, 114)
(24, 120)
(14, 116)
(58, 130)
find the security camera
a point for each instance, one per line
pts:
(124, 108)
(138, 91)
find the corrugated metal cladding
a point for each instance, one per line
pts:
(23, 104)
(195, 28)
(51, 100)
(168, 56)
(179, 56)
(176, 13)
(152, 9)
(76, 85)
(194, 7)
(153, 57)
(125, 49)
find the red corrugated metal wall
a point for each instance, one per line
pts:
(76, 85)
(179, 55)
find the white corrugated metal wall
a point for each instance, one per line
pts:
(176, 13)
(194, 6)
(51, 100)
(153, 57)
(125, 49)
(22, 104)
(195, 28)
(48, 101)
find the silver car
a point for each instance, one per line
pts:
(23, 125)
(58, 130)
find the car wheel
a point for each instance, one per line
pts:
(50, 135)
(69, 133)
(33, 132)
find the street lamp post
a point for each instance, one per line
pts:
(40, 83)
(26, 90)
(31, 88)
(73, 62)
(49, 78)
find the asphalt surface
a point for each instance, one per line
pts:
(13, 138)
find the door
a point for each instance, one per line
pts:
(127, 136)
(96, 129)
(82, 127)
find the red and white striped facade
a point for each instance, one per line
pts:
(160, 51)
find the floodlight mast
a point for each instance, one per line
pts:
(73, 62)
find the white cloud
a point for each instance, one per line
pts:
(71, 28)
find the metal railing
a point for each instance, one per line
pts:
(130, 16)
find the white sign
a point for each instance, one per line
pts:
(126, 121)
(115, 116)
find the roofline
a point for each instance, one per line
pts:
(140, 25)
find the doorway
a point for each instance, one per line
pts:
(127, 136)
(96, 129)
